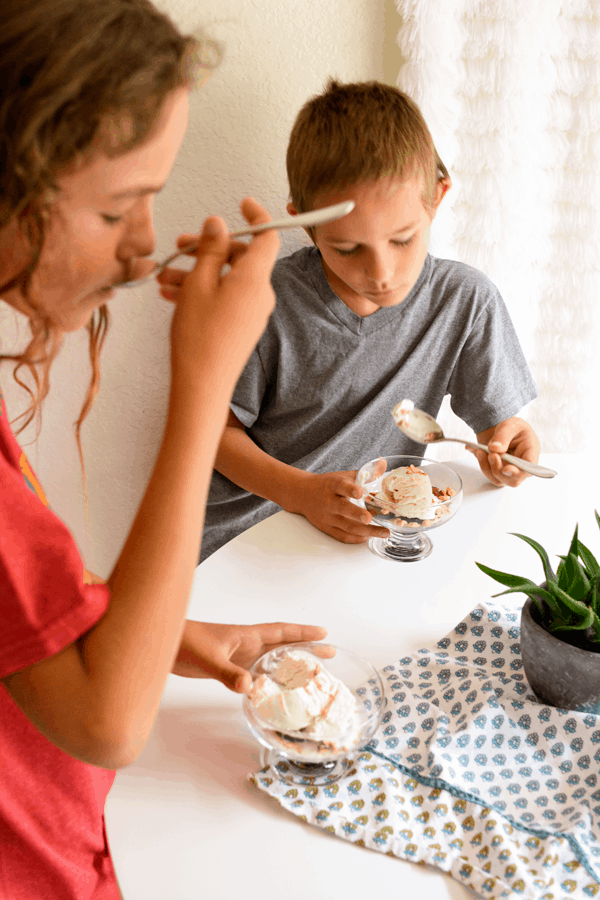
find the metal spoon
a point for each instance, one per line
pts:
(423, 428)
(302, 220)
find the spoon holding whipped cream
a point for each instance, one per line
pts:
(421, 427)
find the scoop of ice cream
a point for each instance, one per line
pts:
(408, 491)
(402, 411)
(416, 424)
(300, 695)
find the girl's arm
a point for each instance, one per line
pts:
(98, 697)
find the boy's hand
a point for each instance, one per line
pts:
(325, 501)
(225, 652)
(514, 436)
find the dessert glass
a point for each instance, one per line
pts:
(407, 541)
(309, 761)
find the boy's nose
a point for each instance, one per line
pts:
(379, 271)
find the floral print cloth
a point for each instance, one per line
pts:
(470, 773)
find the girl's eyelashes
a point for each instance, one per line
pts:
(111, 220)
(355, 250)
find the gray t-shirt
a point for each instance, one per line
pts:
(319, 388)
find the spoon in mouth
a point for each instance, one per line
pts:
(421, 427)
(302, 220)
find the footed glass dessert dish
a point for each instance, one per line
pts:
(312, 705)
(409, 495)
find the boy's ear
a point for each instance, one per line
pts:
(441, 189)
(294, 212)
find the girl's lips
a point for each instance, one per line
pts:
(137, 268)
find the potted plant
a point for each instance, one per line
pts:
(560, 626)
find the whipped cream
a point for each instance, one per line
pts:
(302, 699)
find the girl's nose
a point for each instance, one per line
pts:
(140, 238)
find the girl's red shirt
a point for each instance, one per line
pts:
(52, 833)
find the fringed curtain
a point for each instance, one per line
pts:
(510, 90)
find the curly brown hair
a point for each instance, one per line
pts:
(77, 77)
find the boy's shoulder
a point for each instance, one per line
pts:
(301, 263)
(304, 295)
(300, 285)
(459, 275)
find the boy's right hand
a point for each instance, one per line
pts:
(325, 500)
(222, 316)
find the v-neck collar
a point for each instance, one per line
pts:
(353, 322)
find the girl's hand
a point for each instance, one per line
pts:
(225, 652)
(170, 280)
(220, 317)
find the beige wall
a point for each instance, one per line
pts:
(277, 54)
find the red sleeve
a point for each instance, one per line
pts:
(44, 604)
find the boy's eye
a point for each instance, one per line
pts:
(354, 250)
(111, 220)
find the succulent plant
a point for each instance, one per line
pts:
(568, 601)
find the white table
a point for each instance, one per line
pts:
(182, 821)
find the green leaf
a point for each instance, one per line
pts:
(594, 595)
(548, 572)
(570, 599)
(512, 581)
(573, 549)
(557, 627)
(596, 624)
(561, 577)
(585, 622)
(534, 591)
(576, 583)
(541, 598)
(575, 606)
(589, 560)
(594, 628)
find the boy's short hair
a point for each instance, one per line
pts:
(355, 133)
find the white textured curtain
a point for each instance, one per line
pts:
(510, 90)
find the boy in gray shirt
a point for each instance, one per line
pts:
(362, 320)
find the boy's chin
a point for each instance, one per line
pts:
(385, 298)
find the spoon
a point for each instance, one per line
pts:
(423, 428)
(302, 220)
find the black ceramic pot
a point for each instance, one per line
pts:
(560, 674)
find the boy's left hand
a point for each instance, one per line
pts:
(514, 436)
(225, 652)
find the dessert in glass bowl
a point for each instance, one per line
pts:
(408, 495)
(311, 709)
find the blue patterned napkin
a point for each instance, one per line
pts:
(470, 773)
